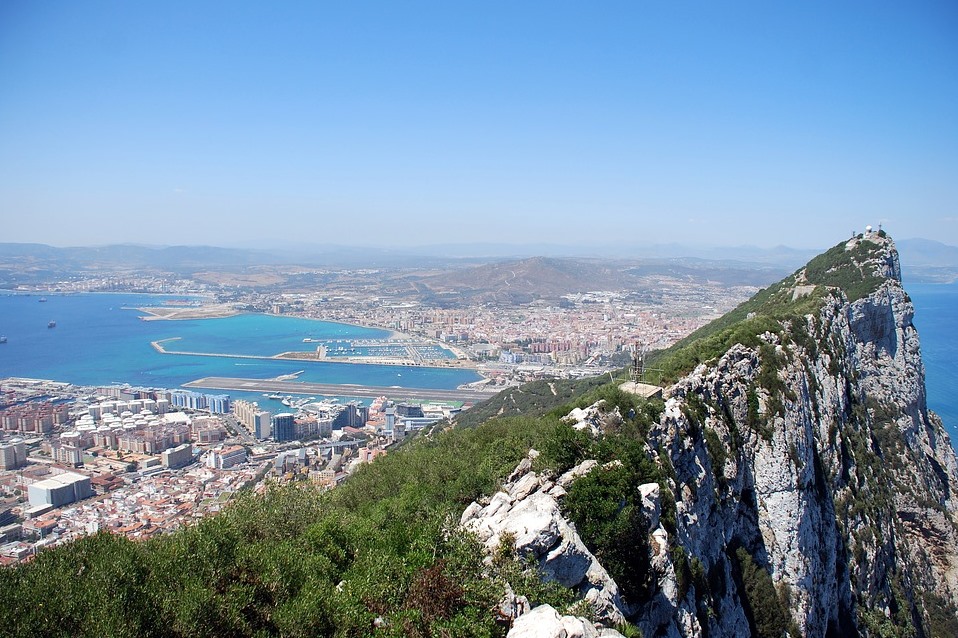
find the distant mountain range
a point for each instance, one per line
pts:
(514, 271)
(928, 261)
(178, 258)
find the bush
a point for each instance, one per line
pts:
(717, 453)
(603, 505)
(767, 614)
(564, 449)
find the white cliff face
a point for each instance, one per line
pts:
(841, 482)
(813, 453)
(545, 622)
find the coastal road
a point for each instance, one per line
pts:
(339, 390)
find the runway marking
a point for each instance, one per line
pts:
(340, 390)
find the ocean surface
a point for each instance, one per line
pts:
(936, 316)
(99, 339)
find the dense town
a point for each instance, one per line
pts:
(140, 462)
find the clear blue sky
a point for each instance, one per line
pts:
(414, 123)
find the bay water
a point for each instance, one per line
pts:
(99, 339)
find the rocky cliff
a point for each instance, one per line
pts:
(813, 491)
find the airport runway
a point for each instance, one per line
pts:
(395, 393)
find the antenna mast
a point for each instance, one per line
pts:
(638, 364)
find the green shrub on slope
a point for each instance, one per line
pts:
(838, 268)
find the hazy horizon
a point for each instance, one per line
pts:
(914, 252)
(419, 124)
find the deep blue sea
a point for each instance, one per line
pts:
(936, 315)
(99, 339)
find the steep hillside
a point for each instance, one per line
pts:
(808, 490)
(808, 449)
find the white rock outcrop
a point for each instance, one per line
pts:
(545, 622)
(524, 512)
(593, 419)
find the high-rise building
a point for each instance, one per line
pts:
(177, 457)
(390, 419)
(262, 424)
(67, 454)
(353, 415)
(284, 427)
(13, 454)
(215, 403)
(218, 403)
(253, 418)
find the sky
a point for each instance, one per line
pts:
(414, 123)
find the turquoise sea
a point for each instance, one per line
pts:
(99, 339)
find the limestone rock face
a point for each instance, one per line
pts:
(837, 479)
(545, 622)
(531, 517)
(591, 419)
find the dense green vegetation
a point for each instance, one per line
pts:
(846, 269)
(942, 616)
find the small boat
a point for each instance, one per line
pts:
(52, 324)
(3, 339)
(42, 299)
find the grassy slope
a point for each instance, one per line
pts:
(836, 269)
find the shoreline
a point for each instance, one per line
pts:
(70, 293)
(212, 314)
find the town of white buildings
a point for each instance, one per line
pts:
(141, 462)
